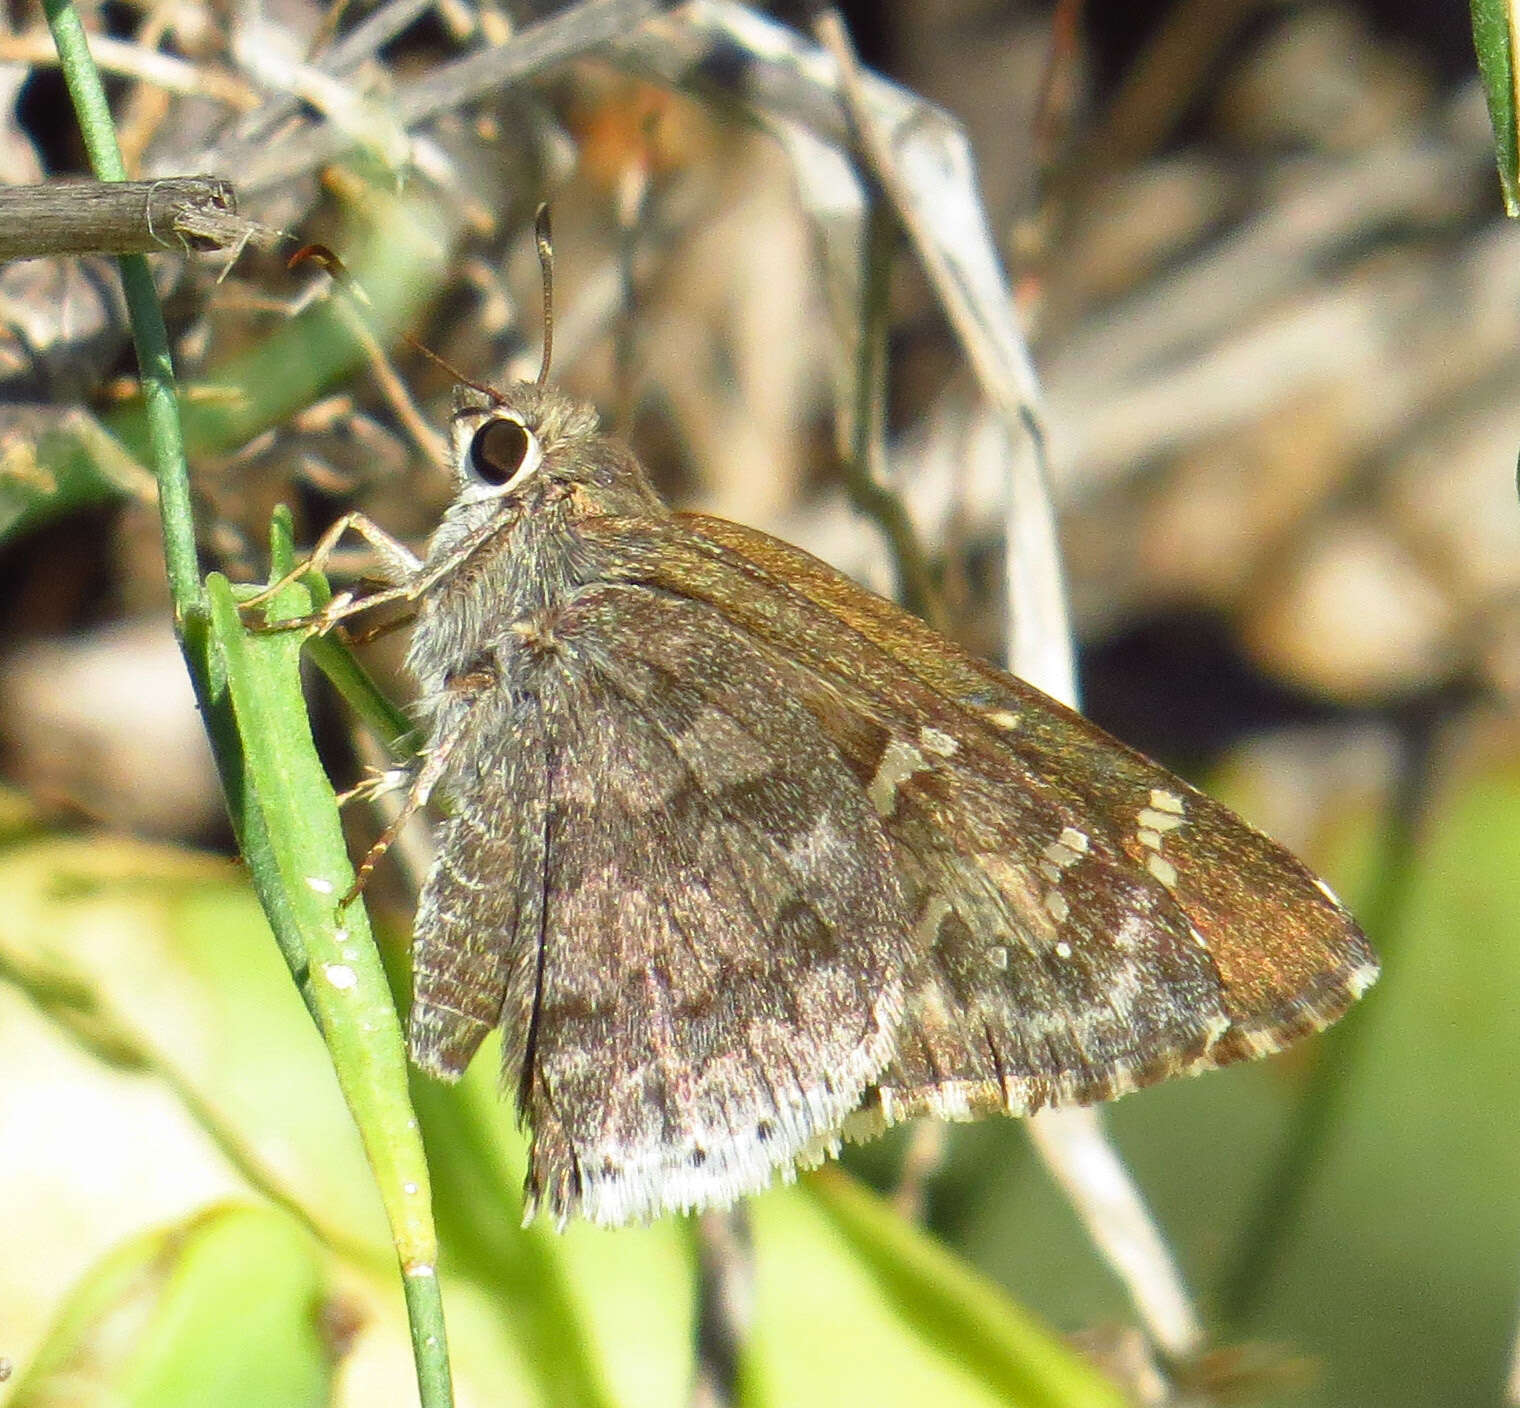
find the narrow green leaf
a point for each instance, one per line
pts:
(857, 1305)
(1494, 38)
(1399, 1273)
(224, 1309)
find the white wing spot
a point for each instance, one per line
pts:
(1162, 869)
(997, 956)
(1005, 719)
(936, 907)
(1068, 848)
(1063, 949)
(1152, 824)
(1062, 853)
(899, 761)
(937, 741)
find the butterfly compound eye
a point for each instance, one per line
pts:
(499, 449)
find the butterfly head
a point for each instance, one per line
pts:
(530, 467)
(530, 449)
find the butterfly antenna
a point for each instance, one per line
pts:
(329, 264)
(484, 388)
(545, 241)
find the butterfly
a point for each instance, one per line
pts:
(742, 859)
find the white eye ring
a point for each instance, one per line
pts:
(501, 453)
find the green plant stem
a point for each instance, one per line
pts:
(334, 957)
(281, 806)
(525, 1271)
(1494, 43)
(149, 335)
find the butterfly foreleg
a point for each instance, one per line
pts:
(398, 565)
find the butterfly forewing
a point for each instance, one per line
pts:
(1085, 922)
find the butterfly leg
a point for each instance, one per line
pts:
(376, 785)
(399, 565)
(381, 628)
(434, 763)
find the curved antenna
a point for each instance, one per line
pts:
(545, 241)
(488, 391)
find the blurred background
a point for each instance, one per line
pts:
(1258, 255)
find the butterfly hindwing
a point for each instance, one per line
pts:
(480, 914)
(714, 946)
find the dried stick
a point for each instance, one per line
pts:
(124, 217)
(563, 36)
(725, 1305)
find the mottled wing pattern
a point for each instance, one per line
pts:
(1084, 921)
(480, 917)
(702, 964)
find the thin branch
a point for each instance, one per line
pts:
(725, 1306)
(565, 35)
(1075, 1148)
(178, 214)
(1072, 1144)
(118, 56)
(361, 44)
(865, 466)
(924, 168)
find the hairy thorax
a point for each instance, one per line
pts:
(491, 619)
